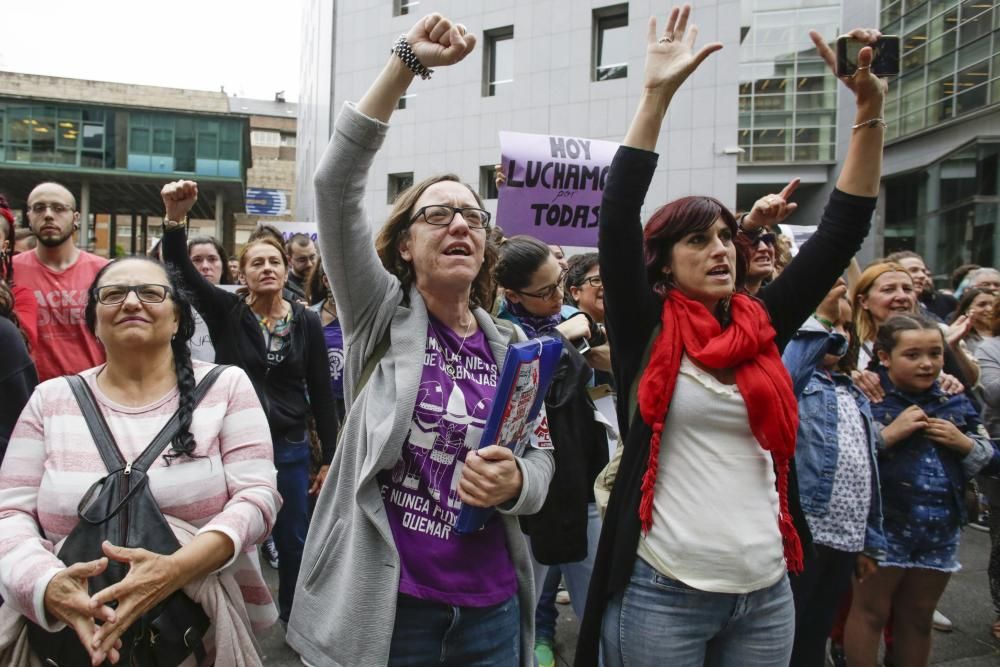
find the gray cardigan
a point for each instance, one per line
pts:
(988, 356)
(345, 601)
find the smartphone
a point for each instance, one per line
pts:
(885, 59)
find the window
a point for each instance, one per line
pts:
(498, 59)
(398, 183)
(403, 7)
(610, 43)
(487, 182)
(265, 138)
(288, 140)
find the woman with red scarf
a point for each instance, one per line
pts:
(699, 532)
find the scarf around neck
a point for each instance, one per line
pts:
(747, 346)
(533, 325)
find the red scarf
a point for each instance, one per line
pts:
(747, 346)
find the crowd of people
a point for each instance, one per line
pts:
(782, 477)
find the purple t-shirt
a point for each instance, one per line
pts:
(334, 337)
(457, 388)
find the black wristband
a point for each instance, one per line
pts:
(404, 51)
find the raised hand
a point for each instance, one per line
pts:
(670, 57)
(829, 307)
(437, 42)
(958, 330)
(499, 177)
(771, 210)
(178, 199)
(68, 600)
(867, 88)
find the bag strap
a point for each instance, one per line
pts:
(169, 430)
(381, 348)
(99, 431)
(105, 441)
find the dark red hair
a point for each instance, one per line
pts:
(672, 222)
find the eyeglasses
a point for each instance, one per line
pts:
(38, 208)
(593, 281)
(441, 215)
(111, 295)
(548, 292)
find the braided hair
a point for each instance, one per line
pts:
(183, 443)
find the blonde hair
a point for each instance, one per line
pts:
(864, 324)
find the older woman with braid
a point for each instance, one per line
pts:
(215, 482)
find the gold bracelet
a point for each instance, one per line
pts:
(873, 122)
(169, 224)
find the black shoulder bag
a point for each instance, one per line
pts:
(121, 509)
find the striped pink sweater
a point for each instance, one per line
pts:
(51, 461)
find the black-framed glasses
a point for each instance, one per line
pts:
(39, 208)
(593, 281)
(112, 295)
(441, 215)
(548, 291)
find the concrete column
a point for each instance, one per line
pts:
(929, 227)
(132, 233)
(84, 241)
(220, 215)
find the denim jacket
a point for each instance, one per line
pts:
(817, 446)
(899, 464)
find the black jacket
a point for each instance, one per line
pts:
(300, 383)
(632, 312)
(17, 379)
(558, 532)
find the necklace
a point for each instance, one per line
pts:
(451, 370)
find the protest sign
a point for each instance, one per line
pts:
(289, 229)
(798, 234)
(554, 186)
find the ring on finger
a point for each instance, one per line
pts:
(666, 40)
(461, 28)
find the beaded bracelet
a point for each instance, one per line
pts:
(403, 49)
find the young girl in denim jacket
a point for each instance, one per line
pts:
(931, 444)
(835, 457)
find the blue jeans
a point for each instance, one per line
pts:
(434, 633)
(657, 620)
(546, 613)
(577, 578)
(291, 458)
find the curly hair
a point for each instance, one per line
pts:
(183, 443)
(397, 227)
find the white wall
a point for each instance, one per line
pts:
(450, 126)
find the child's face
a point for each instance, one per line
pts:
(839, 326)
(916, 360)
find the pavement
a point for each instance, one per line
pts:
(966, 602)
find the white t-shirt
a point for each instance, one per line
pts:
(715, 507)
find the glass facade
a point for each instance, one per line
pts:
(950, 62)
(787, 95)
(55, 135)
(948, 211)
(72, 136)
